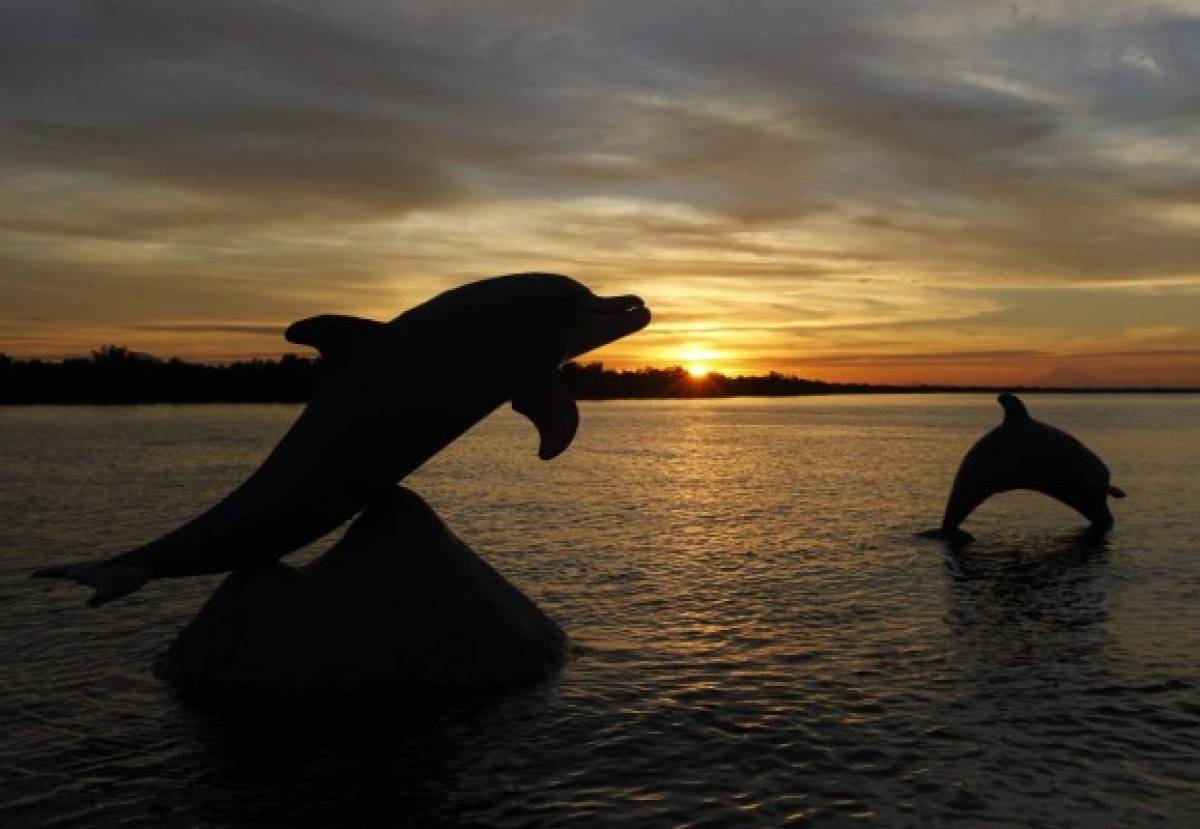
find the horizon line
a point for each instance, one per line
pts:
(695, 380)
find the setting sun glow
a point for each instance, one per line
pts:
(698, 360)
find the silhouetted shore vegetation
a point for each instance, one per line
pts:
(114, 374)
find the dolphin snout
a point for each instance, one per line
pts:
(1101, 517)
(614, 304)
(605, 320)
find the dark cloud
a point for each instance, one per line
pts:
(767, 113)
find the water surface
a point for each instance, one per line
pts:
(762, 639)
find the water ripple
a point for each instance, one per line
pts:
(760, 638)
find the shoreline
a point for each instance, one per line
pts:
(114, 375)
(879, 391)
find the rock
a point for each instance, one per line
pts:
(400, 604)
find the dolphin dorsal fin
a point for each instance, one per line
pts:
(547, 401)
(334, 335)
(1014, 409)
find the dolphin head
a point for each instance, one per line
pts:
(597, 321)
(525, 327)
(554, 311)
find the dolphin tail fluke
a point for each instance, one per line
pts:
(112, 578)
(1116, 491)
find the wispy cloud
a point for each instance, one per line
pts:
(265, 330)
(777, 178)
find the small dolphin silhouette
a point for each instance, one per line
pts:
(396, 394)
(1022, 453)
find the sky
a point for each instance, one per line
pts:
(933, 191)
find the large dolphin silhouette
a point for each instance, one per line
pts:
(1022, 453)
(395, 395)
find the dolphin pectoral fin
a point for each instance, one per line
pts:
(548, 403)
(334, 335)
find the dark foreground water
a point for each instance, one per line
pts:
(762, 639)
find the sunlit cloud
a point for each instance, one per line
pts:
(835, 188)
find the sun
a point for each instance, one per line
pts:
(698, 360)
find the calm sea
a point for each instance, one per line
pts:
(761, 638)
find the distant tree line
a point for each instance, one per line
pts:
(114, 374)
(594, 382)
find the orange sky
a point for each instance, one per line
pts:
(889, 192)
